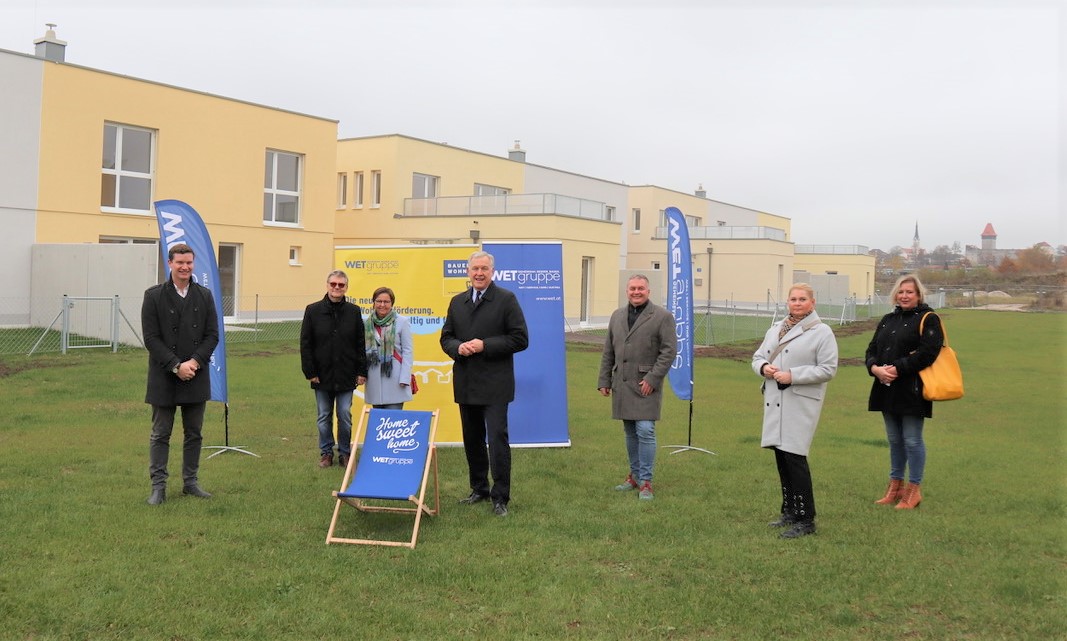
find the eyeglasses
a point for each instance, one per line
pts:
(341, 285)
(385, 301)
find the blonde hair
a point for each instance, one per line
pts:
(920, 289)
(805, 287)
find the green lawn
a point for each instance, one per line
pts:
(82, 556)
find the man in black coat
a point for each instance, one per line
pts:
(333, 357)
(181, 330)
(483, 330)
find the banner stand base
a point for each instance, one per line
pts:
(684, 448)
(227, 448)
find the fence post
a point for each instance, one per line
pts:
(64, 333)
(115, 324)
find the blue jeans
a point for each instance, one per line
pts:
(641, 448)
(906, 447)
(326, 400)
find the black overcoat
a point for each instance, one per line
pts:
(332, 345)
(488, 377)
(897, 342)
(176, 329)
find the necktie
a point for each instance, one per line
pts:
(477, 297)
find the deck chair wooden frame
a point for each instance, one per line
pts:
(420, 506)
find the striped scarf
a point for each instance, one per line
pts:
(382, 355)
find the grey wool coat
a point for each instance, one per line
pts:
(790, 416)
(175, 330)
(643, 352)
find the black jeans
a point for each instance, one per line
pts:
(795, 475)
(482, 423)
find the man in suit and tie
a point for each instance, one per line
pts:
(638, 353)
(483, 330)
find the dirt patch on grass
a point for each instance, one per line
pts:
(740, 351)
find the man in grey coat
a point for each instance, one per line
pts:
(484, 329)
(638, 353)
(181, 330)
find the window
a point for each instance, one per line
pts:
(375, 189)
(294, 255)
(663, 218)
(637, 220)
(342, 190)
(655, 265)
(609, 212)
(358, 187)
(490, 190)
(127, 167)
(281, 188)
(423, 186)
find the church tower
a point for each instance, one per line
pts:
(915, 242)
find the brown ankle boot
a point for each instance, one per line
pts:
(910, 498)
(892, 493)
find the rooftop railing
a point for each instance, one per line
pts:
(729, 233)
(509, 205)
(853, 250)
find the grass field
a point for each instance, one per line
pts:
(82, 556)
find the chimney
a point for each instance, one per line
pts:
(50, 47)
(517, 153)
(700, 193)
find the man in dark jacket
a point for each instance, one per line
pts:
(483, 330)
(181, 330)
(334, 358)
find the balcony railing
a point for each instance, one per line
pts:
(851, 250)
(509, 205)
(729, 233)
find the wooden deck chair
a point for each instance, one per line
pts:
(395, 461)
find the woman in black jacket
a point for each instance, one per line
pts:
(894, 358)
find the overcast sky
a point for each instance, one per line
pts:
(855, 119)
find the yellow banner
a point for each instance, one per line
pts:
(424, 279)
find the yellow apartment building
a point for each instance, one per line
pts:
(95, 150)
(86, 152)
(395, 189)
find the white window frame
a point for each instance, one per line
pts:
(272, 191)
(119, 173)
(375, 189)
(357, 185)
(609, 212)
(490, 190)
(424, 185)
(294, 255)
(342, 190)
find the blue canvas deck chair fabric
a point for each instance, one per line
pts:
(396, 457)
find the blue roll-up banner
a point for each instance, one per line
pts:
(680, 302)
(179, 223)
(534, 273)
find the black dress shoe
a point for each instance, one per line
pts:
(799, 529)
(157, 497)
(500, 509)
(474, 498)
(194, 490)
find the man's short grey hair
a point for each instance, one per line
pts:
(638, 277)
(481, 254)
(338, 273)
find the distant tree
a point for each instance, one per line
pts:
(1036, 260)
(942, 257)
(895, 262)
(1007, 266)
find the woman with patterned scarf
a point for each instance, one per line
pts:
(390, 354)
(796, 360)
